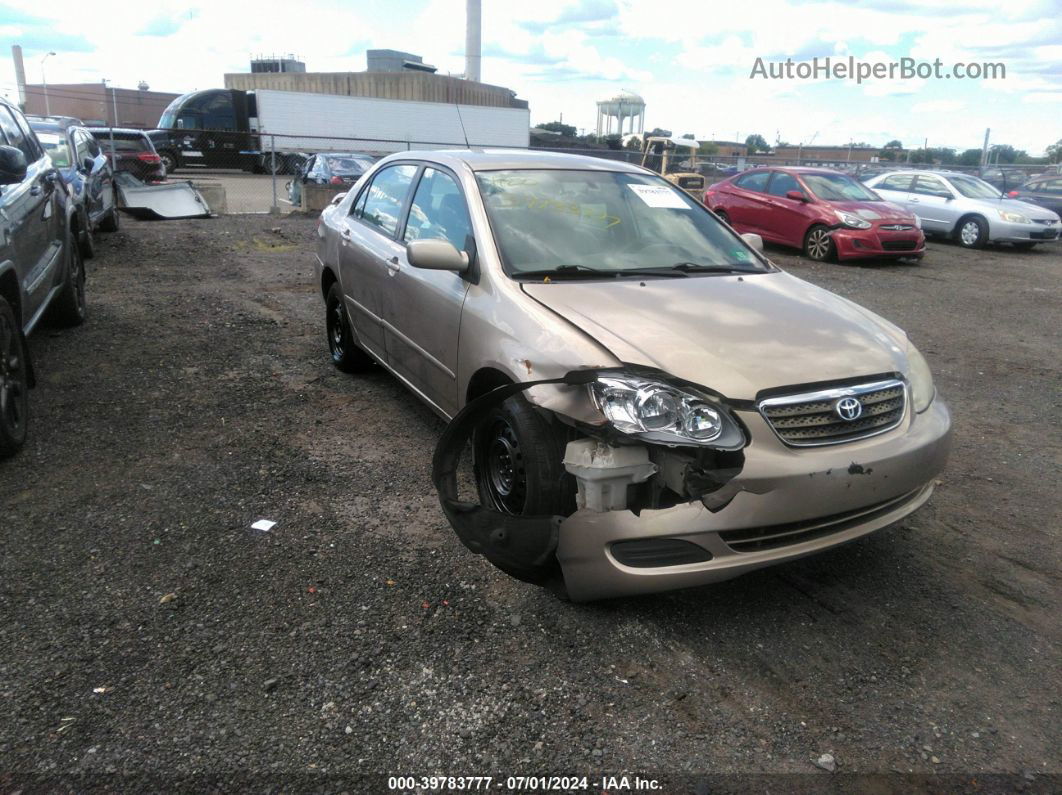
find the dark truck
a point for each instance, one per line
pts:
(41, 269)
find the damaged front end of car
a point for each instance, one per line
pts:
(656, 443)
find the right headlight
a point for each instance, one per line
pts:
(655, 411)
(920, 380)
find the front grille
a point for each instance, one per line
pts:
(897, 227)
(755, 539)
(1047, 221)
(899, 245)
(827, 416)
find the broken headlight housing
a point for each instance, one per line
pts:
(655, 411)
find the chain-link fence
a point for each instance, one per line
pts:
(263, 173)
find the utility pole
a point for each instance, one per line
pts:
(44, 83)
(114, 155)
(984, 149)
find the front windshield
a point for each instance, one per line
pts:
(603, 221)
(974, 188)
(56, 148)
(839, 188)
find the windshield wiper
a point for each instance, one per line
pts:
(696, 267)
(586, 272)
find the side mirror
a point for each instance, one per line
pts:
(88, 163)
(436, 255)
(12, 165)
(754, 240)
(796, 195)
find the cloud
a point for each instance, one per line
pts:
(160, 26)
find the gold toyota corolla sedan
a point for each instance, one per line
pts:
(650, 403)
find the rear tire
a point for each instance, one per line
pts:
(14, 383)
(818, 245)
(70, 308)
(972, 232)
(346, 355)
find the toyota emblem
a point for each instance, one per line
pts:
(848, 408)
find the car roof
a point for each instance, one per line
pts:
(507, 159)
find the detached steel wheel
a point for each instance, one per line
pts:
(818, 245)
(14, 386)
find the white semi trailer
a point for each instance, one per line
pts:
(264, 129)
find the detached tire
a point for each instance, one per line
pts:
(70, 308)
(14, 383)
(346, 355)
(518, 455)
(972, 232)
(818, 245)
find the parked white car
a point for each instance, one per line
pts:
(967, 208)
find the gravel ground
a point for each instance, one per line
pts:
(149, 636)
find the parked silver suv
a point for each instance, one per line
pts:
(651, 404)
(967, 208)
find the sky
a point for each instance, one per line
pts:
(690, 61)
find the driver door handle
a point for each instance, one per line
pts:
(393, 266)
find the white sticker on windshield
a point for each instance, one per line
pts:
(659, 196)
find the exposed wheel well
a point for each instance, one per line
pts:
(484, 380)
(9, 290)
(327, 280)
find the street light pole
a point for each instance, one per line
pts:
(44, 82)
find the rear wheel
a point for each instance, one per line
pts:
(346, 355)
(818, 245)
(70, 307)
(14, 383)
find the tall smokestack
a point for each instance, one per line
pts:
(20, 73)
(472, 29)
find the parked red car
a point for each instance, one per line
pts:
(826, 213)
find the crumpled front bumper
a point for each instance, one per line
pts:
(830, 495)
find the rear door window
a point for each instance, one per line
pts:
(756, 181)
(385, 197)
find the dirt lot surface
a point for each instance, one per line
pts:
(148, 635)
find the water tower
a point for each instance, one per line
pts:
(625, 105)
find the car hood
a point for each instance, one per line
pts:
(1033, 211)
(736, 335)
(885, 212)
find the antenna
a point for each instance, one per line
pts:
(463, 131)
